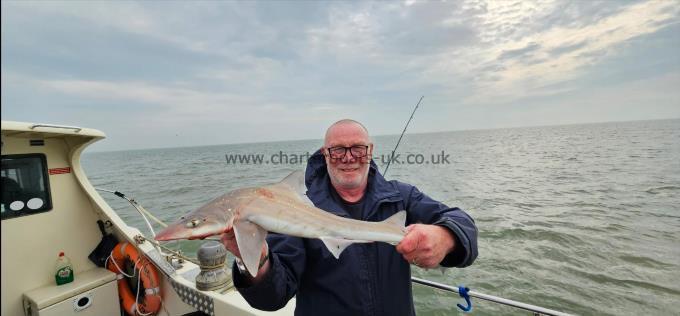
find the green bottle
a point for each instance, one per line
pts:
(64, 270)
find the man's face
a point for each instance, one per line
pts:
(347, 172)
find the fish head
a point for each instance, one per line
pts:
(211, 219)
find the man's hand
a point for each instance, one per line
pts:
(426, 245)
(228, 238)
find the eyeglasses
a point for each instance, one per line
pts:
(357, 151)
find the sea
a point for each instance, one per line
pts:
(583, 219)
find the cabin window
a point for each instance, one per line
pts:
(25, 185)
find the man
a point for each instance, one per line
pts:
(368, 278)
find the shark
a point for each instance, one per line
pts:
(282, 208)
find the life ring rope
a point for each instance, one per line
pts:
(148, 276)
(121, 273)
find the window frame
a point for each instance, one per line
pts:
(9, 214)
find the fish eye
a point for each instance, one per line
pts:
(193, 223)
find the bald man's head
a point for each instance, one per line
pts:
(350, 171)
(345, 124)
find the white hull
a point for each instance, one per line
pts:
(30, 243)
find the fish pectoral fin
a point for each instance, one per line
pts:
(250, 238)
(337, 245)
(398, 219)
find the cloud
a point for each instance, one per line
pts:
(256, 66)
(567, 48)
(177, 103)
(534, 57)
(520, 52)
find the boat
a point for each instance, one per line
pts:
(49, 206)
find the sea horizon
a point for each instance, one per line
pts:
(374, 136)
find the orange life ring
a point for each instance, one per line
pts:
(150, 302)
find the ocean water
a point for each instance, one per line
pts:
(583, 219)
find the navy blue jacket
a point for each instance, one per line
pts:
(369, 278)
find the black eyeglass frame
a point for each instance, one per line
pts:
(344, 152)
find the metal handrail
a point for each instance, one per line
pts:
(75, 128)
(532, 308)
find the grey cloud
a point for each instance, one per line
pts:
(477, 8)
(567, 48)
(262, 52)
(424, 40)
(495, 67)
(520, 52)
(76, 47)
(272, 29)
(580, 13)
(419, 29)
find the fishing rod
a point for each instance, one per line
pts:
(402, 135)
(136, 205)
(465, 292)
(142, 211)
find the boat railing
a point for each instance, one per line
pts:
(463, 292)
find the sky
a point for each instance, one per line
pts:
(171, 74)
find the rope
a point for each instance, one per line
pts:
(139, 279)
(178, 254)
(141, 209)
(154, 218)
(211, 267)
(134, 273)
(121, 270)
(228, 287)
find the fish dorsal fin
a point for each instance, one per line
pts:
(337, 245)
(398, 219)
(296, 181)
